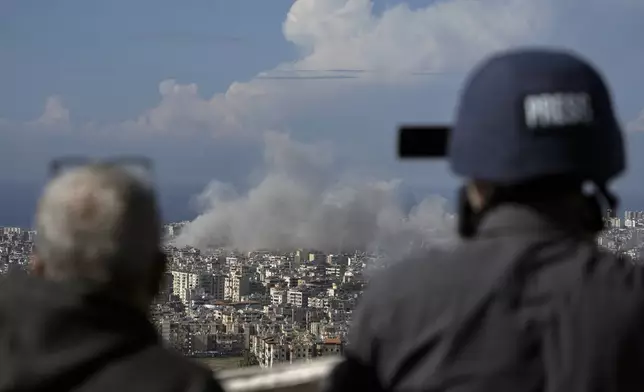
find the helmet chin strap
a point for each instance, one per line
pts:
(606, 200)
(610, 200)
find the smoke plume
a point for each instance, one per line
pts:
(300, 204)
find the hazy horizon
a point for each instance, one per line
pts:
(18, 201)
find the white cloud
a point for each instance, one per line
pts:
(345, 34)
(346, 48)
(180, 105)
(55, 114)
(637, 125)
(343, 42)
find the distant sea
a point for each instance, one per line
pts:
(18, 201)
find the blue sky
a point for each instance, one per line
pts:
(178, 81)
(123, 49)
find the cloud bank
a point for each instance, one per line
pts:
(358, 74)
(346, 47)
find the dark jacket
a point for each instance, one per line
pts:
(525, 306)
(56, 337)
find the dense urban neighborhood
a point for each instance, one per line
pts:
(269, 307)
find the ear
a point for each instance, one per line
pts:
(474, 195)
(36, 266)
(479, 194)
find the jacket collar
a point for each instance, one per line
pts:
(515, 219)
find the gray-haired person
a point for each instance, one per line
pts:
(80, 320)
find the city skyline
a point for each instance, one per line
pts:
(269, 307)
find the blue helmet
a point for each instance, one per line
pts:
(527, 114)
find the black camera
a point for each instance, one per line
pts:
(422, 141)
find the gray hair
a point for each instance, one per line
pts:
(98, 223)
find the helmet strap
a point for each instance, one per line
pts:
(608, 200)
(605, 202)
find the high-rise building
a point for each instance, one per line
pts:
(317, 258)
(185, 284)
(219, 287)
(237, 285)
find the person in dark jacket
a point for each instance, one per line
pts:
(526, 301)
(80, 322)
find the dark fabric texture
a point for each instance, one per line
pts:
(56, 337)
(526, 305)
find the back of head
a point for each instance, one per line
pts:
(98, 224)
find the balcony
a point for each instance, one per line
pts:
(306, 377)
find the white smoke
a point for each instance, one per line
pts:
(299, 204)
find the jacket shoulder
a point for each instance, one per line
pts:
(156, 368)
(195, 376)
